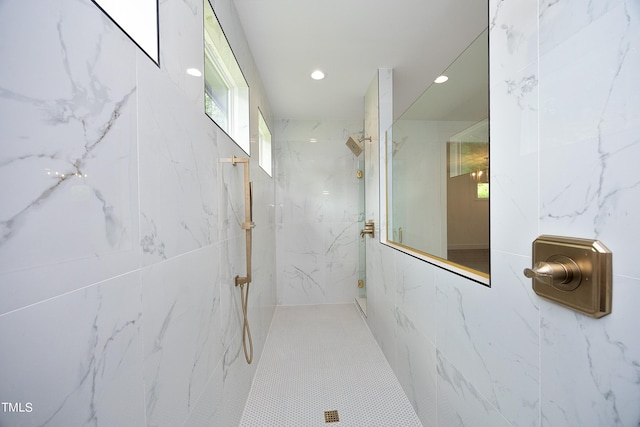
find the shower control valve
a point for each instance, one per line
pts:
(369, 228)
(574, 272)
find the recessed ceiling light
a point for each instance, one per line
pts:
(317, 75)
(441, 79)
(194, 72)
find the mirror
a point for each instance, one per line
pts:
(437, 158)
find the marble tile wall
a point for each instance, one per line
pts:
(317, 211)
(564, 135)
(119, 228)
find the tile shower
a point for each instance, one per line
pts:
(117, 302)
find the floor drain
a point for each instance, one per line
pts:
(331, 417)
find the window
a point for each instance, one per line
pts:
(226, 93)
(264, 146)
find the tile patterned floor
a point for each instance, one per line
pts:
(321, 358)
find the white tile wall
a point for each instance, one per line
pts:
(317, 211)
(77, 358)
(117, 302)
(68, 169)
(564, 144)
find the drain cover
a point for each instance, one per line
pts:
(331, 417)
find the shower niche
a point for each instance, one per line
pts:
(437, 170)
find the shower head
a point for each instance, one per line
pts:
(355, 146)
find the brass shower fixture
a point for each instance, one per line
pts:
(355, 145)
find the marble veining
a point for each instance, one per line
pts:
(317, 232)
(459, 382)
(479, 356)
(183, 333)
(68, 159)
(594, 199)
(601, 359)
(119, 229)
(179, 152)
(85, 113)
(297, 274)
(564, 142)
(521, 88)
(340, 239)
(470, 406)
(92, 339)
(151, 243)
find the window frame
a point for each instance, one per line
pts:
(220, 62)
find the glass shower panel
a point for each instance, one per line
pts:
(362, 254)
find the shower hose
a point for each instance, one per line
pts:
(246, 331)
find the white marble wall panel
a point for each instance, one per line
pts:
(568, 17)
(178, 168)
(236, 382)
(415, 284)
(341, 247)
(416, 366)
(264, 255)
(181, 45)
(317, 197)
(300, 260)
(183, 332)
(473, 322)
(316, 171)
(514, 142)
(76, 358)
(596, 362)
(208, 410)
(223, 398)
(68, 160)
(380, 282)
(459, 403)
(596, 195)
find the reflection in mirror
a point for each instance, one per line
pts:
(438, 169)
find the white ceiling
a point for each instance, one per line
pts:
(349, 40)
